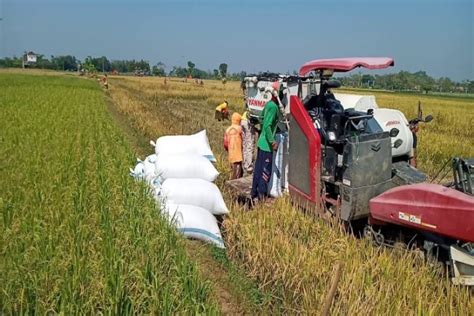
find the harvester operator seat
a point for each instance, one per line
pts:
(332, 107)
(325, 109)
(311, 101)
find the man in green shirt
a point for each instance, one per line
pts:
(266, 145)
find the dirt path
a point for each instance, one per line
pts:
(231, 294)
(234, 293)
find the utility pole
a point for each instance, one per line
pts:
(1, 34)
(3, 39)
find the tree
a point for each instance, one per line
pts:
(119, 66)
(143, 65)
(191, 66)
(43, 62)
(469, 86)
(215, 73)
(102, 64)
(223, 70)
(199, 74)
(67, 62)
(367, 80)
(14, 62)
(88, 65)
(161, 65)
(178, 72)
(159, 69)
(445, 84)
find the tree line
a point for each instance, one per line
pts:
(137, 67)
(418, 81)
(402, 81)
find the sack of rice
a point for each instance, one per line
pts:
(194, 222)
(197, 144)
(184, 166)
(195, 192)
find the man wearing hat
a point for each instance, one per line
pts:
(266, 145)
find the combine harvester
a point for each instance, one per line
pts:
(351, 159)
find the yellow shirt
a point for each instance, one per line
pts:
(222, 106)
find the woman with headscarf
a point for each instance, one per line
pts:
(233, 144)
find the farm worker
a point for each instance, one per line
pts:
(222, 111)
(105, 82)
(233, 144)
(248, 138)
(266, 145)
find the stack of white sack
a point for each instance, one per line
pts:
(279, 179)
(181, 176)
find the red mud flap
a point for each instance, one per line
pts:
(428, 207)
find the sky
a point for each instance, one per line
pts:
(251, 35)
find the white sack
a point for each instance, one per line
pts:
(185, 166)
(138, 172)
(279, 178)
(195, 192)
(149, 167)
(197, 144)
(144, 170)
(194, 222)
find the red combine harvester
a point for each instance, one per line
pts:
(341, 161)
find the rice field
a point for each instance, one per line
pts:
(290, 254)
(77, 234)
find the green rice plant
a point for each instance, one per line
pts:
(77, 234)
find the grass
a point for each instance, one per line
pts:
(237, 277)
(77, 234)
(294, 255)
(289, 254)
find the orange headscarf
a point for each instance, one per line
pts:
(234, 136)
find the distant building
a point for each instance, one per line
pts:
(29, 59)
